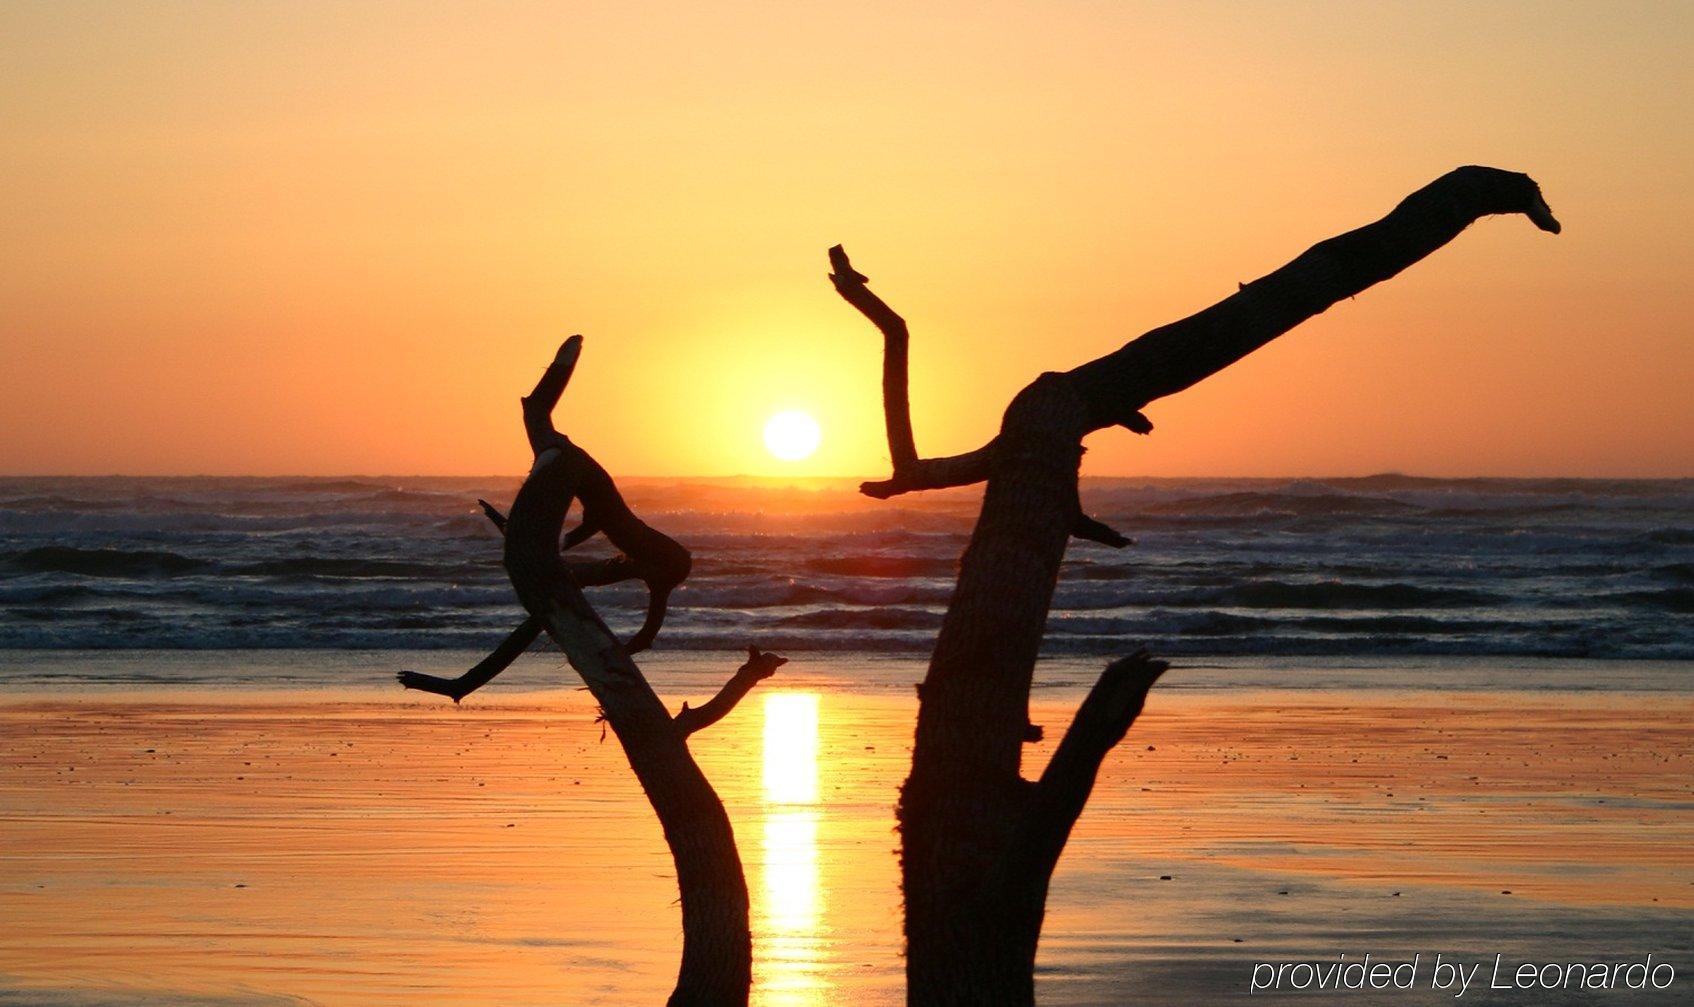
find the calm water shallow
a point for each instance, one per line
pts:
(359, 845)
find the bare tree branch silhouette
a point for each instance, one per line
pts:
(979, 842)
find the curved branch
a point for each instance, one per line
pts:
(1175, 356)
(896, 405)
(596, 573)
(716, 940)
(1090, 530)
(977, 841)
(510, 649)
(911, 473)
(1058, 797)
(538, 404)
(586, 573)
(759, 667)
(934, 474)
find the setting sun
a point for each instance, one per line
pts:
(792, 435)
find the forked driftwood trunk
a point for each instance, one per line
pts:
(979, 842)
(716, 948)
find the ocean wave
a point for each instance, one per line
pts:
(103, 562)
(1676, 599)
(1248, 503)
(63, 525)
(1382, 565)
(1671, 536)
(1241, 592)
(316, 486)
(350, 567)
(1338, 594)
(780, 592)
(862, 618)
(883, 566)
(58, 504)
(1682, 573)
(397, 495)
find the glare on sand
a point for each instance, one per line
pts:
(791, 748)
(792, 954)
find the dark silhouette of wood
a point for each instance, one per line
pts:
(909, 471)
(649, 555)
(759, 667)
(655, 558)
(851, 285)
(483, 672)
(978, 840)
(586, 573)
(716, 967)
(1170, 359)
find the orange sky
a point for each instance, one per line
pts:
(343, 239)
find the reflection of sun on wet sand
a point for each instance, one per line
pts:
(359, 851)
(789, 954)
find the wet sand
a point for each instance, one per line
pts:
(367, 847)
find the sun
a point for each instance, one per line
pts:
(791, 435)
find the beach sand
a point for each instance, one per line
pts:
(363, 847)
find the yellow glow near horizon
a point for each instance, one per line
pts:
(791, 748)
(792, 436)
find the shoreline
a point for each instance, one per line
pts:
(371, 671)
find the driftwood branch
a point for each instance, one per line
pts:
(595, 573)
(910, 471)
(539, 404)
(933, 474)
(1091, 530)
(896, 405)
(649, 555)
(499, 660)
(493, 514)
(586, 573)
(1175, 356)
(759, 667)
(1057, 800)
(974, 833)
(717, 947)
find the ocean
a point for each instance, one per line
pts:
(1381, 566)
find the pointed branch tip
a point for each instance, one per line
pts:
(1090, 530)
(760, 666)
(842, 269)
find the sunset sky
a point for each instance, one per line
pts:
(325, 239)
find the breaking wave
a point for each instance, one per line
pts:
(1381, 565)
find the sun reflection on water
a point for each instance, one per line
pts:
(789, 947)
